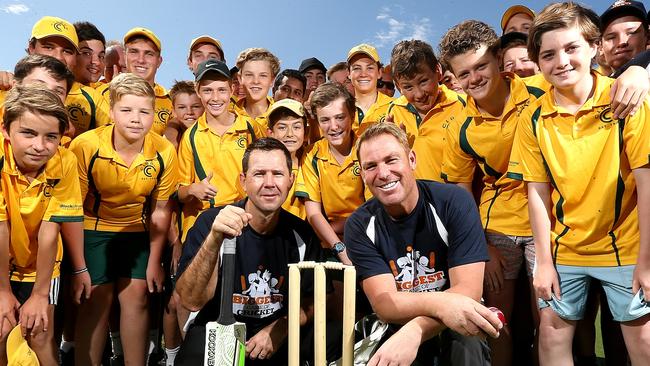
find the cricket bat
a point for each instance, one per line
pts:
(225, 339)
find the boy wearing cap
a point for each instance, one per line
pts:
(365, 71)
(587, 177)
(204, 48)
(314, 71)
(210, 152)
(143, 58)
(482, 136)
(329, 181)
(425, 109)
(39, 190)
(517, 18)
(288, 124)
(92, 50)
(624, 28)
(257, 70)
(56, 37)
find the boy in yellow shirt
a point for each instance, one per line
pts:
(588, 182)
(365, 69)
(127, 177)
(39, 190)
(257, 70)
(210, 152)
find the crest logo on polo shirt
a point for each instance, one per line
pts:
(49, 186)
(149, 170)
(261, 295)
(356, 169)
(76, 111)
(415, 273)
(163, 115)
(605, 115)
(241, 141)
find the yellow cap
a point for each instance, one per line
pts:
(18, 350)
(139, 31)
(55, 27)
(515, 9)
(290, 104)
(365, 49)
(206, 39)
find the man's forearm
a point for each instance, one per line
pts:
(73, 240)
(197, 284)
(402, 307)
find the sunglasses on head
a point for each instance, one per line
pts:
(385, 84)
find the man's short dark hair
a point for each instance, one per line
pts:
(54, 67)
(87, 31)
(265, 144)
(290, 73)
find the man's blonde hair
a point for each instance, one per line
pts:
(258, 54)
(130, 84)
(383, 128)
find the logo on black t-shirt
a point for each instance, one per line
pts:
(260, 296)
(416, 273)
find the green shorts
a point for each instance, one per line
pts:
(112, 255)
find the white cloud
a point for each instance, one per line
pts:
(16, 9)
(399, 28)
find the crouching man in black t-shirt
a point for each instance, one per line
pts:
(420, 252)
(268, 239)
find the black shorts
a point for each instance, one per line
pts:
(22, 290)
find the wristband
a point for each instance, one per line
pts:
(85, 269)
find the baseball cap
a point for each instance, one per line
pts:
(139, 31)
(311, 63)
(511, 11)
(18, 351)
(365, 49)
(290, 104)
(621, 8)
(211, 65)
(206, 39)
(508, 38)
(49, 26)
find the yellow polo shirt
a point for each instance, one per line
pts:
(588, 159)
(338, 187)
(87, 108)
(293, 203)
(116, 196)
(162, 109)
(262, 120)
(484, 140)
(427, 135)
(202, 151)
(54, 195)
(375, 114)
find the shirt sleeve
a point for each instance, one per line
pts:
(457, 165)
(65, 202)
(102, 115)
(308, 184)
(4, 216)
(166, 187)
(466, 237)
(636, 137)
(526, 160)
(77, 148)
(186, 172)
(363, 253)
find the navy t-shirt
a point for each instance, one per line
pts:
(260, 293)
(443, 231)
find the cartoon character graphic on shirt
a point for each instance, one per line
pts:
(417, 272)
(260, 296)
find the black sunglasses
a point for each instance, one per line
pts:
(385, 84)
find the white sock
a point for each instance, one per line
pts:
(116, 342)
(171, 355)
(66, 346)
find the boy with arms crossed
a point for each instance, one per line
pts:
(588, 224)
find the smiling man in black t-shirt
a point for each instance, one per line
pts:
(420, 252)
(268, 239)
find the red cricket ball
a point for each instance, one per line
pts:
(499, 314)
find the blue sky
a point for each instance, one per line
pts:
(291, 29)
